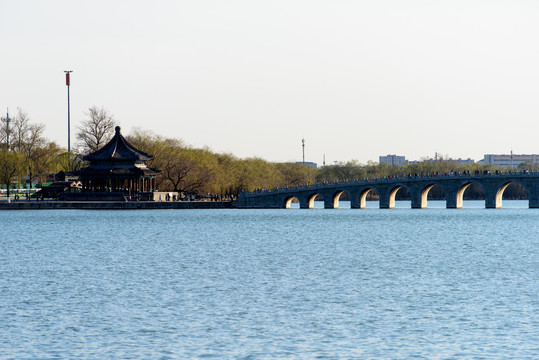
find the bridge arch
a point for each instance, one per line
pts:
(424, 195)
(311, 198)
(462, 189)
(336, 197)
(363, 196)
(501, 190)
(393, 193)
(289, 200)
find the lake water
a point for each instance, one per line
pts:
(271, 284)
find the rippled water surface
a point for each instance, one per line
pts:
(267, 284)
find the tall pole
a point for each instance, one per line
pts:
(68, 112)
(303, 146)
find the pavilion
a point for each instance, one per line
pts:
(118, 167)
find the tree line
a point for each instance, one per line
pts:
(30, 157)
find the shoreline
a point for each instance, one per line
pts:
(113, 205)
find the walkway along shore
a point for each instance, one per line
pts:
(113, 205)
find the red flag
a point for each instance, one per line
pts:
(67, 79)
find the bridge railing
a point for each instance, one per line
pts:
(396, 178)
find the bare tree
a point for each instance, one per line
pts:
(96, 131)
(5, 132)
(20, 128)
(25, 136)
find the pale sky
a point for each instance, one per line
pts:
(356, 79)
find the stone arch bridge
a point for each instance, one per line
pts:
(454, 185)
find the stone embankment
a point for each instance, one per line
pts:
(113, 205)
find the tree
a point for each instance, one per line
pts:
(27, 140)
(11, 164)
(96, 131)
(183, 169)
(25, 136)
(350, 170)
(45, 161)
(160, 148)
(256, 173)
(226, 175)
(69, 161)
(528, 165)
(19, 130)
(296, 174)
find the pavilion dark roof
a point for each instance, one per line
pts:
(118, 150)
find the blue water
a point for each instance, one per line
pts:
(270, 284)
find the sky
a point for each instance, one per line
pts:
(355, 79)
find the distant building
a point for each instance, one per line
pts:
(311, 164)
(463, 161)
(429, 160)
(393, 160)
(508, 160)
